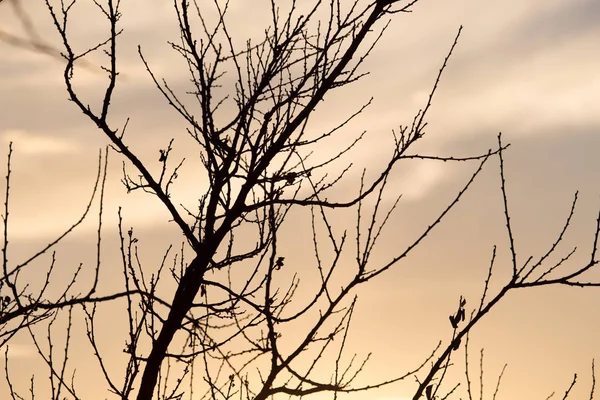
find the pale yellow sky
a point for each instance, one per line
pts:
(530, 69)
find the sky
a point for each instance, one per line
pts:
(529, 69)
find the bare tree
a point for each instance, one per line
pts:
(225, 322)
(31, 40)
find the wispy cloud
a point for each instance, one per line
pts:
(32, 144)
(18, 351)
(422, 179)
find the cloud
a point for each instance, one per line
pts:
(422, 179)
(18, 351)
(32, 144)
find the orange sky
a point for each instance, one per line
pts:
(529, 69)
